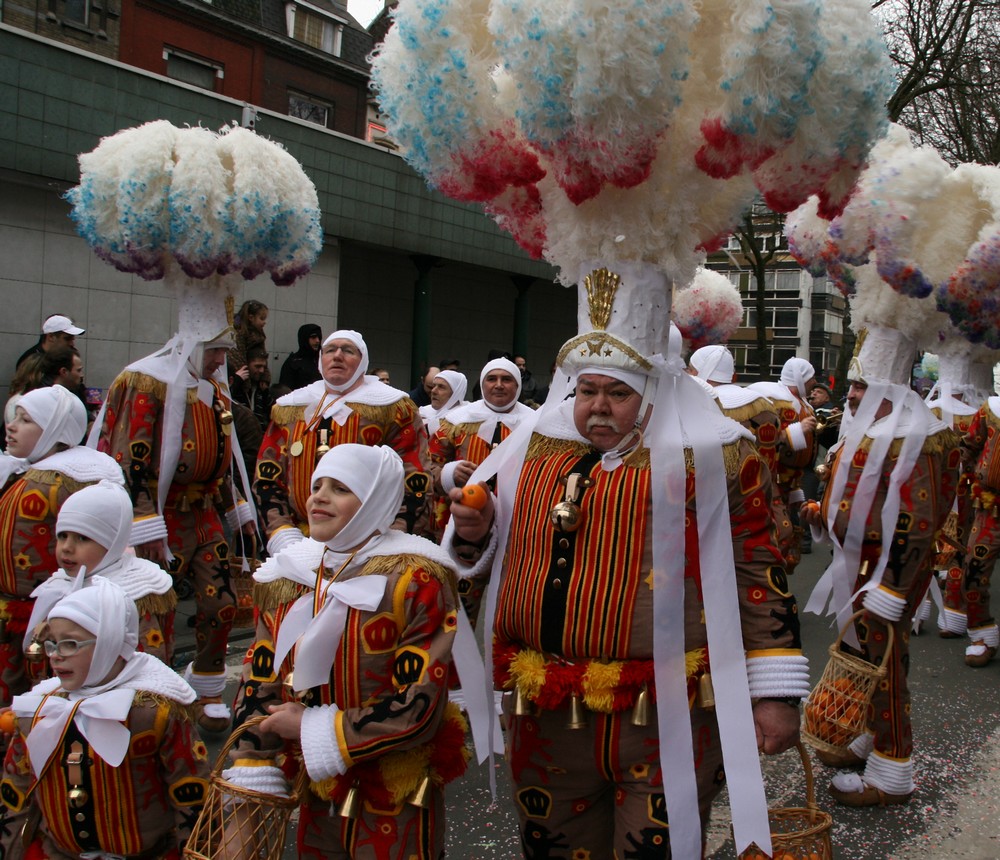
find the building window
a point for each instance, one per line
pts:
(310, 109)
(77, 11)
(314, 28)
(193, 70)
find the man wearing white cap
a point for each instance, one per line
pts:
(57, 330)
(168, 422)
(465, 437)
(345, 405)
(634, 561)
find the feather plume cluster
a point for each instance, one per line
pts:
(156, 196)
(709, 310)
(636, 131)
(931, 232)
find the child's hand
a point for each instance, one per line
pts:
(284, 720)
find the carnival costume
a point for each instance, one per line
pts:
(114, 769)
(360, 630)
(103, 513)
(321, 416)
(34, 490)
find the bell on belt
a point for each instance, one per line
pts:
(822, 471)
(34, 653)
(77, 797)
(323, 447)
(522, 704)
(184, 504)
(566, 516)
(705, 697)
(421, 795)
(351, 805)
(640, 711)
(577, 713)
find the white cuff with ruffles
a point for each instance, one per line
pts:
(147, 530)
(267, 779)
(884, 603)
(238, 516)
(796, 436)
(320, 749)
(448, 476)
(283, 538)
(463, 569)
(778, 676)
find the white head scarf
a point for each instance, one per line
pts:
(355, 338)
(107, 613)
(61, 415)
(713, 363)
(458, 384)
(375, 475)
(103, 513)
(795, 373)
(507, 365)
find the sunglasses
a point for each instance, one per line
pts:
(66, 647)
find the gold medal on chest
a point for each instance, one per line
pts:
(296, 449)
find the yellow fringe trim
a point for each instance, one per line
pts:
(403, 771)
(50, 476)
(285, 415)
(141, 382)
(940, 442)
(157, 604)
(185, 712)
(268, 596)
(527, 670)
(545, 446)
(389, 563)
(749, 410)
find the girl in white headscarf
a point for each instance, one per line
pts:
(92, 537)
(44, 465)
(358, 622)
(119, 766)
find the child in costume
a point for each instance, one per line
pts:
(106, 753)
(44, 464)
(366, 618)
(92, 533)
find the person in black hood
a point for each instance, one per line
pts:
(302, 367)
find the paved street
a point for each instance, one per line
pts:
(955, 812)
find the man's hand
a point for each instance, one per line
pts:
(152, 551)
(777, 726)
(463, 471)
(243, 373)
(284, 720)
(808, 423)
(471, 524)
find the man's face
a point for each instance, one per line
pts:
(522, 365)
(59, 338)
(383, 376)
(314, 342)
(428, 380)
(212, 360)
(819, 398)
(604, 410)
(257, 369)
(73, 378)
(340, 359)
(499, 389)
(440, 392)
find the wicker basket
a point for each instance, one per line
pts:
(836, 710)
(238, 823)
(798, 833)
(242, 582)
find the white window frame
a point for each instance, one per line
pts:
(333, 29)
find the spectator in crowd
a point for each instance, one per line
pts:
(57, 329)
(382, 375)
(529, 388)
(421, 393)
(248, 328)
(302, 366)
(254, 390)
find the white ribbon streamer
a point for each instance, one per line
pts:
(478, 694)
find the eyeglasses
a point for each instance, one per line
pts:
(66, 647)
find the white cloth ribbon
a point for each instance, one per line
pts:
(100, 720)
(319, 636)
(484, 721)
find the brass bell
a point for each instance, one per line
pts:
(77, 797)
(566, 516)
(705, 697)
(350, 807)
(421, 795)
(322, 448)
(577, 713)
(640, 711)
(34, 653)
(184, 504)
(522, 704)
(822, 471)
(225, 417)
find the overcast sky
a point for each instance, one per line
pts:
(364, 10)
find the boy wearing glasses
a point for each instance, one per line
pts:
(105, 758)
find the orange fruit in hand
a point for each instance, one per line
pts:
(812, 507)
(8, 723)
(474, 495)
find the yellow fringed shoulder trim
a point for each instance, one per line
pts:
(467, 429)
(389, 563)
(375, 414)
(938, 443)
(268, 596)
(157, 604)
(147, 697)
(287, 414)
(50, 476)
(749, 410)
(546, 446)
(142, 382)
